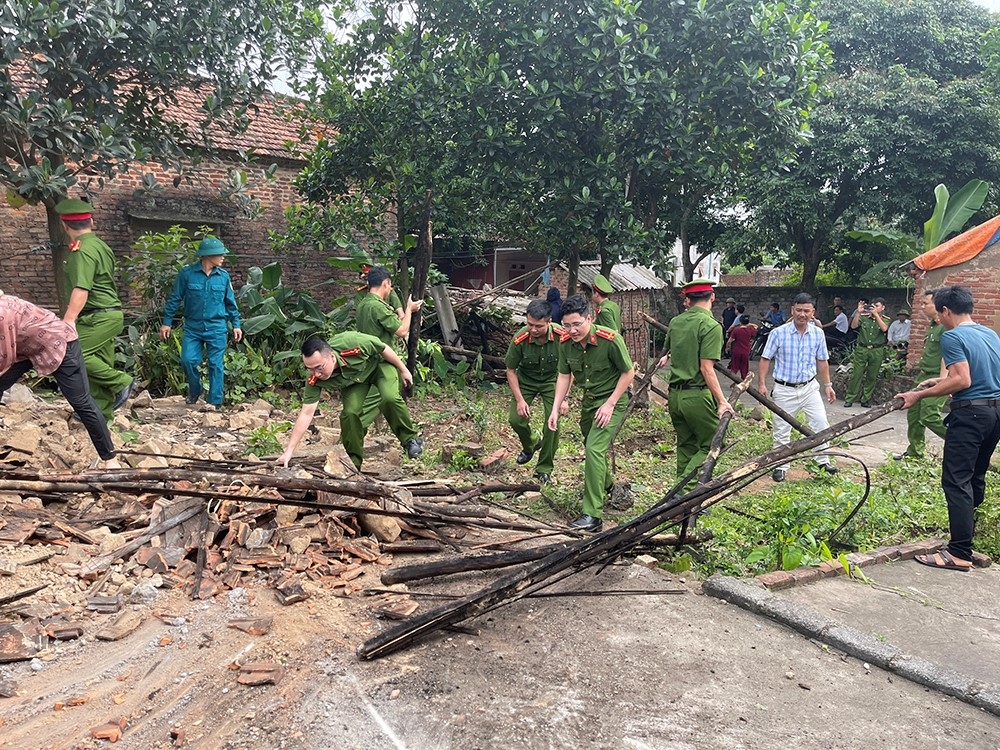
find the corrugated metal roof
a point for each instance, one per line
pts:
(624, 276)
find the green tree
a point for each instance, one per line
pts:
(87, 91)
(910, 105)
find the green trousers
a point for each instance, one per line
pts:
(867, 363)
(355, 399)
(695, 417)
(97, 333)
(597, 477)
(926, 413)
(522, 426)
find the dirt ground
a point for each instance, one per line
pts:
(660, 667)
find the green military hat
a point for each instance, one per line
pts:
(211, 246)
(698, 285)
(602, 285)
(904, 311)
(73, 209)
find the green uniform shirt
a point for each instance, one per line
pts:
(693, 335)
(596, 363)
(609, 315)
(92, 267)
(358, 355)
(377, 318)
(536, 362)
(869, 334)
(930, 361)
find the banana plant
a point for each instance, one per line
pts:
(950, 215)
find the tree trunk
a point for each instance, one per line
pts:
(402, 264)
(574, 270)
(421, 268)
(60, 251)
(809, 252)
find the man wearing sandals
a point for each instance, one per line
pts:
(971, 354)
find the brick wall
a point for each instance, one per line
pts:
(121, 214)
(981, 274)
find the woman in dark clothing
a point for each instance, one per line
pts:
(555, 302)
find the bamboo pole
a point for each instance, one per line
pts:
(518, 584)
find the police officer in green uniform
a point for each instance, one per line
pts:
(532, 369)
(869, 351)
(926, 413)
(94, 308)
(694, 345)
(375, 316)
(349, 363)
(595, 358)
(606, 311)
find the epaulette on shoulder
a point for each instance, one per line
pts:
(604, 333)
(560, 331)
(564, 336)
(521, 337)
(351, 352)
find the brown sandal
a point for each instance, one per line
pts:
(943, 560)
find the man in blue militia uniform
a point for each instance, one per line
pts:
(971, 352)
(94, 308)
(376, 316)
(209, 306)
(349, 363)
(532, 363)
(595, 358)
(694, 345)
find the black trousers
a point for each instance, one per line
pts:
(973, 434)
(71, 376)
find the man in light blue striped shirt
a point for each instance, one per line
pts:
(798, 351)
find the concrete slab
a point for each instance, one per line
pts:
(947, 617)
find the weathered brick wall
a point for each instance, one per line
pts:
(981, 274)
(30, 274)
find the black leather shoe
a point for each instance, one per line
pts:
(543, 478)
(866, 405)
(191, 400)
(848, 404)
(415, 447)
(587, 523)
(827, 468)
(122, 396)
(778, 475)
(523, 457)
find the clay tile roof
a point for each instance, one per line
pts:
(273, 131)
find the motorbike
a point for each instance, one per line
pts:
(760, 338)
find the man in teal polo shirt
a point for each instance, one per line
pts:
(209, 307)
(596, 360)
(694, 345)
(375, 316)
(349, 363)
(94, 308)
(532, 363)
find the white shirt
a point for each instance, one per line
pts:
(841, 323)
(899, 331)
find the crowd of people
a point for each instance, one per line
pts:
(566, 343)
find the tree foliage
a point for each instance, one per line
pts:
(89, 90)
(574, 128)
(910, 105)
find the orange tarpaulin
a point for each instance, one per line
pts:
(961, 248)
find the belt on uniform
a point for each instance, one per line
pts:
(795, 385)
(92, 310)
(688, 386)
(975, 402)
